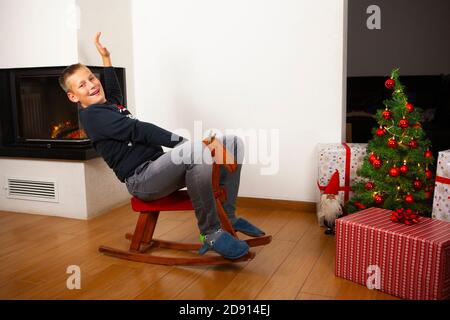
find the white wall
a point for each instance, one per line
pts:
(113, 19)
(274, 64)
(37, 33)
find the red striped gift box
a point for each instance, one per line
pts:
(412, 262)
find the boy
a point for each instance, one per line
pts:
(132, 148)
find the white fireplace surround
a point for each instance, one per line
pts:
(85, 189)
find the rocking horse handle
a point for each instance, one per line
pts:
(221, 158)
(220, 154)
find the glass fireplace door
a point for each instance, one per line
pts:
(43, 111)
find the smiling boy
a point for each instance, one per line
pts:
(133, 149)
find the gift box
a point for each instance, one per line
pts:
(441, 200)
(346, 158)
(411, 262)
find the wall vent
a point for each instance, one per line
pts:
(32, 189)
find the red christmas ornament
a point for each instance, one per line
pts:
(403, 123)
(417, 184)
(404, 168)
(428, 154)
(409, 107)
(416, 125)
(409, 198)
(428, 195)
(378, 199)
(376, 163)
(389, 83)
(369, 185)
(372, 157)
(428, 174)
(380, 132)
(386, 114)
(392, 143)
(412, 144)
(394, 172)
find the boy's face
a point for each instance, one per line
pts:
(84, 87)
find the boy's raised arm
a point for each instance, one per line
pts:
(112, 87)
(103, 51)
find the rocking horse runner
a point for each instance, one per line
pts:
(132, 148)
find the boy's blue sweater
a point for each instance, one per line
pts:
(122, 141)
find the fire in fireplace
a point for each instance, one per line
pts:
(37, 118)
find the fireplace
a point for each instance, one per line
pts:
(38, 120)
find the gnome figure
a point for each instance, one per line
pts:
(329, 206)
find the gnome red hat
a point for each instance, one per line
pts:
(333, 185)
(329, 207)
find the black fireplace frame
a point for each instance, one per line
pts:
(11, 146)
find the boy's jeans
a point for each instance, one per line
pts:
(190, 165)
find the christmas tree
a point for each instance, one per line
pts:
(396, 173)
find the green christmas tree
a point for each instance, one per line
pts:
(396, 173)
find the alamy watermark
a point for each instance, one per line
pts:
(373, 22)
(74, 280)
(251, 146)
(374, 279)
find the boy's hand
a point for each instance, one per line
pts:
(103, 51)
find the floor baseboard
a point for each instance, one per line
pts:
(303, 206)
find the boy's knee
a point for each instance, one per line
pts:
(196, 153)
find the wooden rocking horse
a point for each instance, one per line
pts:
(142, 239)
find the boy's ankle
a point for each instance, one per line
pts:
(233, 219)
(210, 238)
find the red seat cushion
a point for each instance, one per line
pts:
(179, 200)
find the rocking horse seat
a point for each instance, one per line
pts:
(142, 239)
(177, 201)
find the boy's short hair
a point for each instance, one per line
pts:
(67, 72)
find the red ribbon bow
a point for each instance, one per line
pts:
(407, 216)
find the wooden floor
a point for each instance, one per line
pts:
(35, 252)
